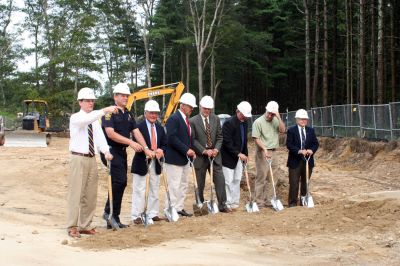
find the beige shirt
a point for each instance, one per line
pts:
(267, 132)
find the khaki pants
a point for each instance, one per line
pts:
(82, 192)
(263, 186)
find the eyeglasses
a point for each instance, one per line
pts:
(88, 101)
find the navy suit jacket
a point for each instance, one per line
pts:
(139, 160)
(179, 141)
(293, 143)
(232, 141)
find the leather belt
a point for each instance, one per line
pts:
(82, 154)
(271, 149)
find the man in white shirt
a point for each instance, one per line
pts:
(86, 139)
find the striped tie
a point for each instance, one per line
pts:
(208, 133)
(91, 145)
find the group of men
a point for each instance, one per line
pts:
(185, 140)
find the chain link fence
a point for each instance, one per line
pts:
(380, 122)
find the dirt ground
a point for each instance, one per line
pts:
(356, 220)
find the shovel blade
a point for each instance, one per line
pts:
(212, 207)
(171, 214)
(113, 223)
(277, 204)
(307, 201)
(200, 209)
(252, 207)
(146, 219)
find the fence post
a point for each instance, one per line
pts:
(333, 124)
(359, 118)
(287, 117)
(390, 122)
(373, 108)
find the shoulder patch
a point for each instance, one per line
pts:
(108, 116)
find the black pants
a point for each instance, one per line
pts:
(119, 178)
(219, 183)
(297, 175)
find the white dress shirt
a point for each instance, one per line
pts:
(304, 131)
(184, 119)
(79, 139)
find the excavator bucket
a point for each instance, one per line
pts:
(21, 138)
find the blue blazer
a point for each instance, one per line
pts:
(139, 160)
(293, 143)
(179, 141)
(232, 142)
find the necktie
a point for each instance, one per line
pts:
(303, 139)
(242, 136)
(153, 138)
(188, 125)
(208, 133)
(91, 144)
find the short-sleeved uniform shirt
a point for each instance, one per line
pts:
(267, 132)
(123, 124)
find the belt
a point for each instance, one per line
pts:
(271, 149)
(82, 154)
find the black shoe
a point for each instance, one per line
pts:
(184, 213)
(122, 225)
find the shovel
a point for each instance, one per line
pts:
(170, 212)
(307, 200)
(199, 208)
(251, 206)
(212, 205)
(144, 216)
(276, 203)
(110, 218)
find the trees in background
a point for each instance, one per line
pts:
(255, 50)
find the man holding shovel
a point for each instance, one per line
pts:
(207, 142)
(179, 149)
(86, 139)
(302, 144)
(265, 132)
(234, 152)
(155, 137)
(118, 128)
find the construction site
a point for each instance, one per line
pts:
(355, 220)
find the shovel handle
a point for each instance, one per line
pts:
(246, 174)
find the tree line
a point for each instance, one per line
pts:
(301, 53)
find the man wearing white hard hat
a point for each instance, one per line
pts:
(86, 139)
(207, 142)
(301, 142)
(265, 132)
(234, 152)
(156, 139)
(179, 151)
(121, 132)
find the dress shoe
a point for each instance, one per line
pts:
(158, 219)
(73, 232)
(121, 225)
(184, 213)
(137, 221)
(292, 205)
(88, 232)
(226, 210)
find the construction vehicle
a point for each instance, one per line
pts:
(33, 133)
(175, 89)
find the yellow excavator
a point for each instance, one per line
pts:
(175, 89)
(35, 122)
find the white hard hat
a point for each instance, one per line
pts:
(272, 107)
(302, 114)
(86, 94)
(152, 106)
(189, 99)
(122, 88)
(245, 108)
(207, 102)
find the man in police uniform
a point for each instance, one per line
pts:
(118, 128)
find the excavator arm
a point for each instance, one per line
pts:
(175, 89)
